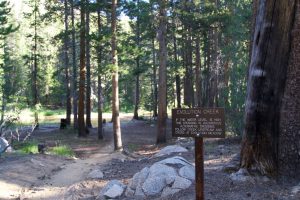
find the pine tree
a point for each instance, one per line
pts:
(115, 80)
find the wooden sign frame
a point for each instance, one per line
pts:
(199, 123)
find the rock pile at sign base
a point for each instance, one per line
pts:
(112, 190)
(170, 149)
(163, 178)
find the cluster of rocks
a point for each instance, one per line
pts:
(163, 178)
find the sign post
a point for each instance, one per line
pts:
(199, 123)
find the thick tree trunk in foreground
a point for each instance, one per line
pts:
(74, 65)
(115, 80)
(66, 47)
(100, 95)
(266, 84)
(289, 137)
(81, 123)
(162, 91)
(88, 69)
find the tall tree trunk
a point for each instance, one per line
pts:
(35, 69)
(162, 92)
(155, 92)
(81, 123)
(88, 68)
(188, 79)
(289, 137)
(115, 80)
(66, 47)
(266, 83)
(74, 65)
(198, 73)
(137, 80)
(177, 76)
(100, 95)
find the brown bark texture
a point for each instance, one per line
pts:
(88, 69)
(198, 74)
(137, 78)
(67, 73)
(74, 65)
(100, 90)
(155, 92)
(289, 137)
(115, 81)
(162, 92)
(266, 83)
(81, 121)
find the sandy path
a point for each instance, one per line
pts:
(70, 174)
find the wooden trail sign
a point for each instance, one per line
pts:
(207, 122)
(199, 123)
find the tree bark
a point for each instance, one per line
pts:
(35, 69)
(177, 76)
(137, 80)
(81, 122)
(198, 74)
(162, 92)
(66, 47)
(188, 76)
(115, 80)
(88, 68)
(289, 137)
(100, 95)
(74, 65)
(155, 90)
(266, 83)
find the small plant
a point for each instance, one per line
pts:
(62, 151)
(132, 147)
(26, 147)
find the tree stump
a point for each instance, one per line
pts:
(63, 123)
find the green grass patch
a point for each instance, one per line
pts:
(26, 147)
(132, 147)
(63, 150)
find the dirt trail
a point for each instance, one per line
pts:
(48, 177)
(70, 174)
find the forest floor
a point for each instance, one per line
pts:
(38, 176)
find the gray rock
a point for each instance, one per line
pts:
(170, 149)
(114, 192)
(139, 178)
(96, 174)
(170, 180)
(160, 170)
(181, 183)
(154, 185)
(109, 185)
(157, 178)
(296, 189)
(129, 192)
(169, 191)
(241, 176)
(187, 172)
(139, 192)
(176, 160)
(4, 145)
